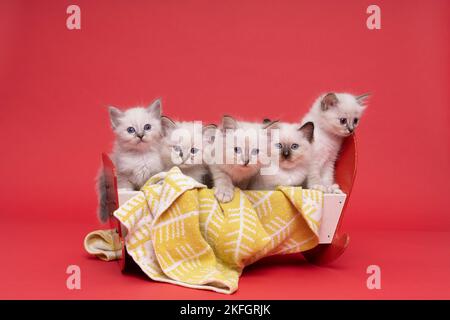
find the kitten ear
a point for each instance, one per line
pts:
(268, 127)
(328, 101)
(155, 108)
(308, 131)
(361, 99)
(167, 125)
(209, 132)
(272, 124)
(228, 122)
(114, 116)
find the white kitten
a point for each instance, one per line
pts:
(182, 146)
(243, 164)
(292, 151)
(335, 116)
(136, 149)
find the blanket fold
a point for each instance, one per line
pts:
(104, 244)
(179, 233)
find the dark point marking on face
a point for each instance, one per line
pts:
(286, 151)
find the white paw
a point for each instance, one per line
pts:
(319, 187)
(224, 194)
(335, 189)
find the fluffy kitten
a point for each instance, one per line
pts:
(182, 146)
(244, 163)
(136, 149)
(292, 151)
(335, 116)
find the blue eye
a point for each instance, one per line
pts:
(278, 145)
(237, 150)
(194, 150)
(294, 146)
(255, 152)
(147, 127)
(131, 130)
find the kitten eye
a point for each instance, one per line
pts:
(147, 127)
(343, 120)
(237, 150)
(294, 146)
(255, 152)
(355, 121)
(194, 150)
(278, 145)
(131, 130)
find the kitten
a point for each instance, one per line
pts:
(182, 146)
(335, 116)
(136, 149)
(244, 163)
(292, 150)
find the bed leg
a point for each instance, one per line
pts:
(326, 253)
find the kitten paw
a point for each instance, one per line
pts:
(319, 187)
(335, 189)
(224, 194)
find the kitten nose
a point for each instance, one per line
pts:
(351, 130)
(140, 135)
(286, 152)
(246, 162)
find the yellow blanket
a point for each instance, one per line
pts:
(179, 233)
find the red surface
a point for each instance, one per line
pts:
(414, 265)
(254, 59)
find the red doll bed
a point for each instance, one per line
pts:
(333, 241)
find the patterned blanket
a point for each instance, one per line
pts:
(179, 233)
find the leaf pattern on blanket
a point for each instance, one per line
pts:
(179, 233)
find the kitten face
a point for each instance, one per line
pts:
(341, 112)
(241, 147)
(244, 150)
(293, 146)
(137, 128)
(182, 145)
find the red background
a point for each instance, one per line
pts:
(252, 59)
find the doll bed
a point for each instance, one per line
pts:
(332, 242)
